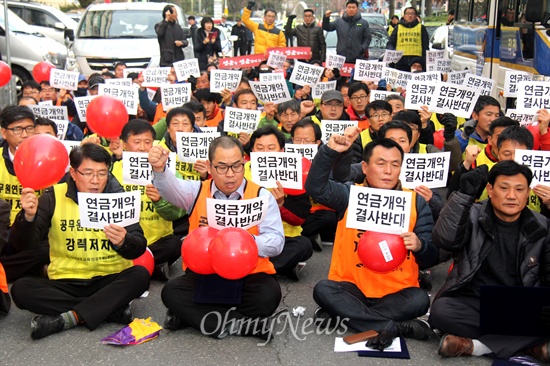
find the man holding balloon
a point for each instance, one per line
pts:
(370, 296)
(204, 296)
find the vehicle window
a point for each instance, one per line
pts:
(17, 10)
(41, 18)
(375, 20)
(463, 11)
(379, 38)
(119, 24)
(480, 11)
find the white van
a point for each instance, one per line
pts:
(120, 32)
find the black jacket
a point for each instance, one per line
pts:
(353, 36)
(309, 36)
(202, 51)
(167, 34)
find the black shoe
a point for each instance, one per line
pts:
(172, 322)
(121, 316)
(324, 320)
(415, 329)
(425, 280)
(44, 325)
(316, 242)
(160, 273)
(296, 273)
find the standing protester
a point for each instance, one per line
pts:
(411, 37)
(170, 37)
(308, 34)
(266, 35)
(208, 42)
(193, 29)
(239, 46)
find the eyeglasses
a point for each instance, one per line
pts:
(19, 130)
(223, 169)
(333, 105)
(90, 175)
(359, 98)
(378, 116)
(29, 93)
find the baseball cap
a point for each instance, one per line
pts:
(95, 81)
(332, 95)
(81, 78)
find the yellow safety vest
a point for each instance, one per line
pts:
(77, 252)
(153, 225)
(10, 189)
(409, 40)
(365, 137)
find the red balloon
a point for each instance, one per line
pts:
(194, 250)
(233, 253)
(306, 165)
(146, 260)
(439, 139)
(381, 252)
(40, 161)
(5, 73)
(534, 129)
(106, 116)
(41, 71)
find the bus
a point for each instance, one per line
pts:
(491, 37)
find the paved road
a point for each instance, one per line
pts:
(81, 347)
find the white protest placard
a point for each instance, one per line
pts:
(193, 146)
(129, 70)
(430, 170)
(243, 214)
(533, 96)
(151, 93)
(62, 127)
(335, 61)
(127, 95)
(69, 145)
(482, 84)
(186, 68)
(381, 210)
(137, 170)
(396, 77)
(224, 79)
(269, 167)
(511, 79)
(306, 74)
(457, 77)
(426, 76)
(62, 79)
(539, 163)
(380, 94)
(155, 76)
(433, 55)
(419, 93)
(175, 95)
(120, 82)
(368, 70)
(100, 209)
(276, 60)
(442, 65)
(456, 99)
(272, 91)
(208, 129)
(307, 151)
(241, 120)
(272, 76)
(391, 56)
(45, 102)
(318, 89)
(55, 113)
(329, 128)
(524, 119)
(81, 104)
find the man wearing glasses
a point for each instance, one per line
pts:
(358, 93)
(91, 277)
(378, 113)
(266, 35)
(411, 37)
(331, 108)
(190, 298)
(308, 34)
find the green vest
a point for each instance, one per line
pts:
(77, 252)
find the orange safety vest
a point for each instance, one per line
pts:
(198, 217)
(159, 113)
(216, 118)
(346, 264)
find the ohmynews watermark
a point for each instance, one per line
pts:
(266, 328)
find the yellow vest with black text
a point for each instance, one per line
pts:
(409, 40)
(365, 137)
(346, 265)
(187, 170)
(290, 230)
(153, 225)
(198, 217)
(10, 189)
(77, 252)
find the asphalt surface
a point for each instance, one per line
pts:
(79, 346)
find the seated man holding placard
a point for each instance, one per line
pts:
(91, 277)
(387, 302)
(476, 130)
(211, 102)
(496, 242)
(293, 208)
(190, 298)
(378, 113)
(156, 213)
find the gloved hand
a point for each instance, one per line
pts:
(473, 182)
(250, 5)
(545, 316)
(292, 16)
(336, 73)
(468, 128)
(449, 123)
(383, 340)
(289, 21)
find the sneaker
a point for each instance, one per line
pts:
(415, 329)
(296, 273)
(44, 325)
(540, 352)
(121, 316)
(454, 346)
(173, 322)
(316, 242)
